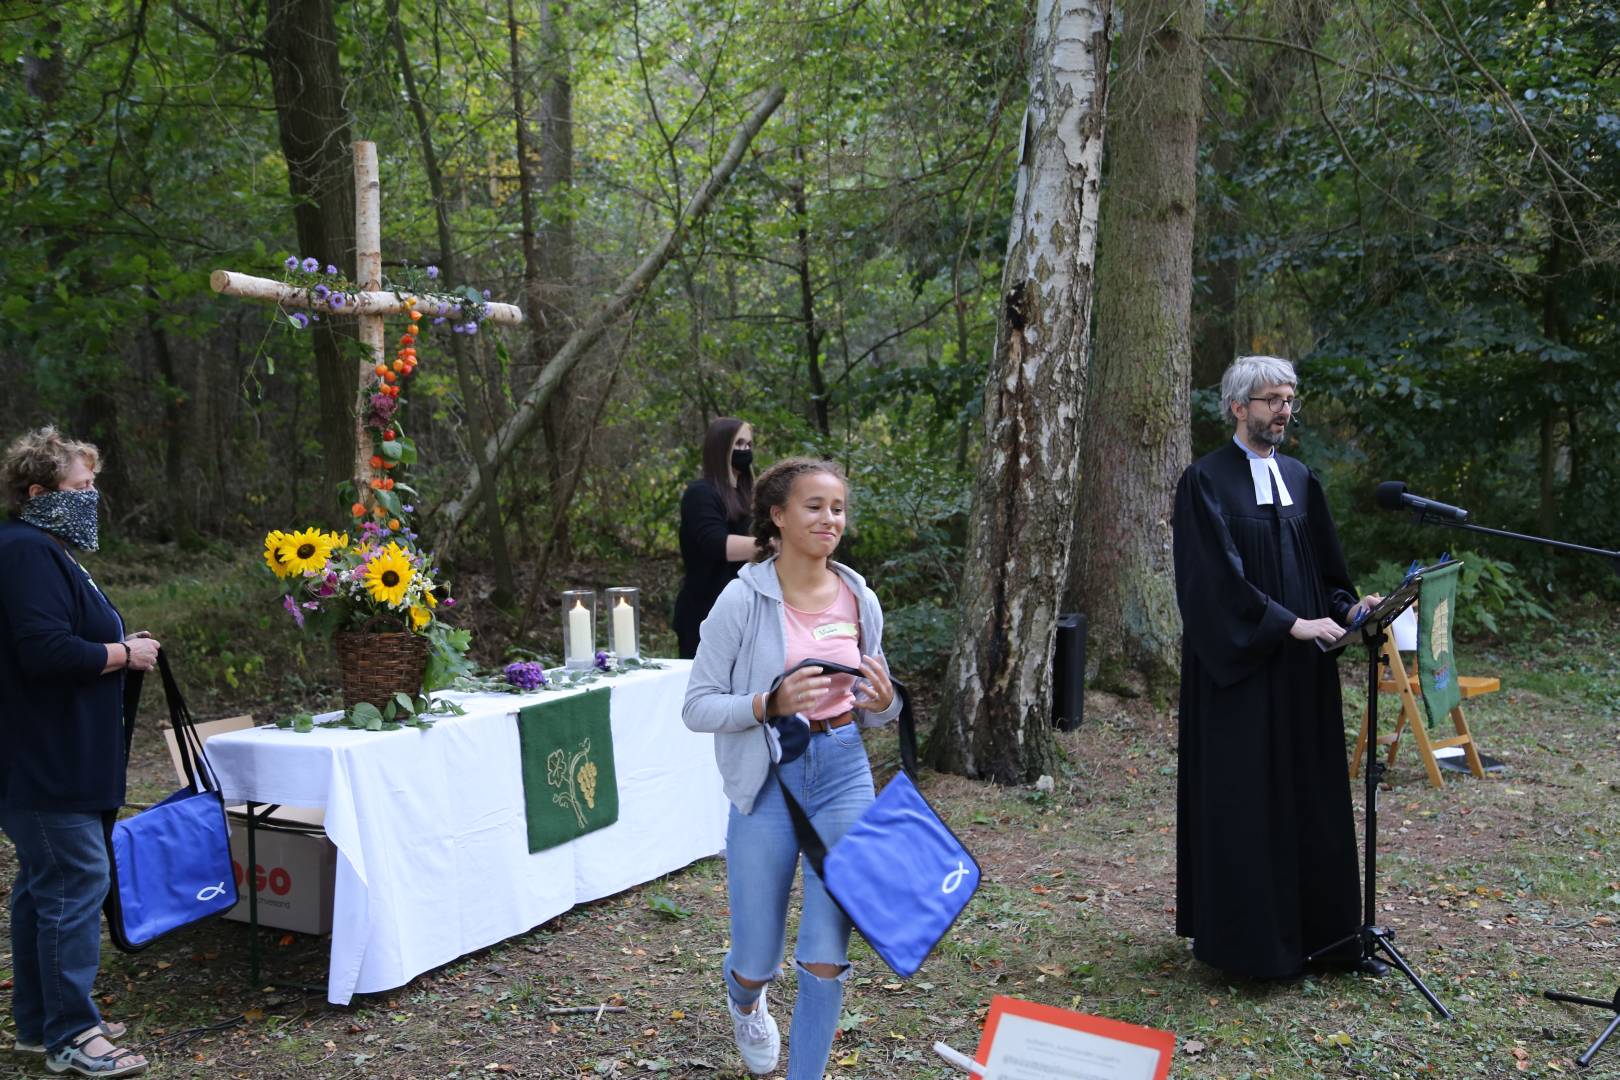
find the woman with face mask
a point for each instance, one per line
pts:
(63, 654)
(714, 525)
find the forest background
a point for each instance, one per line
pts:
(1415, 200)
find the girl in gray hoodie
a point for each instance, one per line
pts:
(781, 610)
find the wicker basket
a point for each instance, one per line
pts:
(375, 667)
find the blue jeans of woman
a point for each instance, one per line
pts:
(62, 879)
(833, 782)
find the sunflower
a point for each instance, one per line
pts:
(388, 575)
(419, 617)
(272, 553)
(305, 552)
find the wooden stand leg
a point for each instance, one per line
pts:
(1470, 751)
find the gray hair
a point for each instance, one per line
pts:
(43, 456)
(1248, 374)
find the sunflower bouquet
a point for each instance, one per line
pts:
(381, 582)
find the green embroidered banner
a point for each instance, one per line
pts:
(569, 786)
(1437, 674)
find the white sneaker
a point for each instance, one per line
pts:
(758, 1040)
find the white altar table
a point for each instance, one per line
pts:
(430, 831)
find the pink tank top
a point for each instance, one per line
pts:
(833, 634)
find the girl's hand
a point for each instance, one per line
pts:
(798, 692)
(875, 693)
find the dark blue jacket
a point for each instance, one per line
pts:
(61, 719)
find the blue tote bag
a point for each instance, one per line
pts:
(171, 864)
(900, 873)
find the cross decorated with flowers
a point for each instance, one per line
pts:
(370, 305)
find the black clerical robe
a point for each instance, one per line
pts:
(1266, 868)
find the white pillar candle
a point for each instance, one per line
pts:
(580, 644)
(624, 628)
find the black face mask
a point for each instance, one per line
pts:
(742, 459)
(67, 515)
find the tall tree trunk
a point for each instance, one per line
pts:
(996, 723)
(450, 266)
(301, 38)
(1136, 438)
(546, 178)
(807, 302)
(1269, 88)
(176, 495)
(1554, 327)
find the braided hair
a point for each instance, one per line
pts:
(771, 490)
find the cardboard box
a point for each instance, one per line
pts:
(296, 865)
(294, 874)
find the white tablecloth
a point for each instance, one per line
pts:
(430, 830)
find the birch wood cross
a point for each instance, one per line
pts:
(370, 305)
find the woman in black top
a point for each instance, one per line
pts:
(63, 654)
(715, 539)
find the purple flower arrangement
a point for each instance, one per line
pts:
(526, 675)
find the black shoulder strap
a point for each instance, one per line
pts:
(810, 842)
(199, 774)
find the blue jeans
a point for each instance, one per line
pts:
(833, 782)
(62, 879)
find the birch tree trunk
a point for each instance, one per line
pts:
(1136, 438)
(301, 38)
(996, 723)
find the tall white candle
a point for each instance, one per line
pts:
(580, 644)
(624, 628)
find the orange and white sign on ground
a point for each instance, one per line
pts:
(1026, 1041)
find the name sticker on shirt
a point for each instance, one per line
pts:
(835, 629)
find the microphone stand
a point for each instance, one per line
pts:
(1421, 517)
(1372, 939)
(1426, 517)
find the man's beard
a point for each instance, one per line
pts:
(1262, 432)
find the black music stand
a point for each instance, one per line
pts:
(1371, 939)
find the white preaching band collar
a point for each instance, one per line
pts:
(1263, 470)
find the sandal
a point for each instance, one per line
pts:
(119, 1061)
(113, 1032)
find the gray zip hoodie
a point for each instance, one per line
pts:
(743, 648)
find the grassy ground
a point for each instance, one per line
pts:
(1498, 889)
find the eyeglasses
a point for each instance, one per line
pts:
(1277, 403)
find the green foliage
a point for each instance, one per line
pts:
(1492, 597)
(1425, 214)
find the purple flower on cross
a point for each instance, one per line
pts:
(472, 326)
(526, 675)
(299, 320)
(433, 273)
(321, 292)
(291, 263)
(311, 264)
(335, 301)
(486, 294)
(331, 271)
(382, 407)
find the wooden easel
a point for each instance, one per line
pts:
(1393, 679)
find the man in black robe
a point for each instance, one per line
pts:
(1266, 868)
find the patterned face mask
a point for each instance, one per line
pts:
(68, 515)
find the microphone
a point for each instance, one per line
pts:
(1391, 495)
